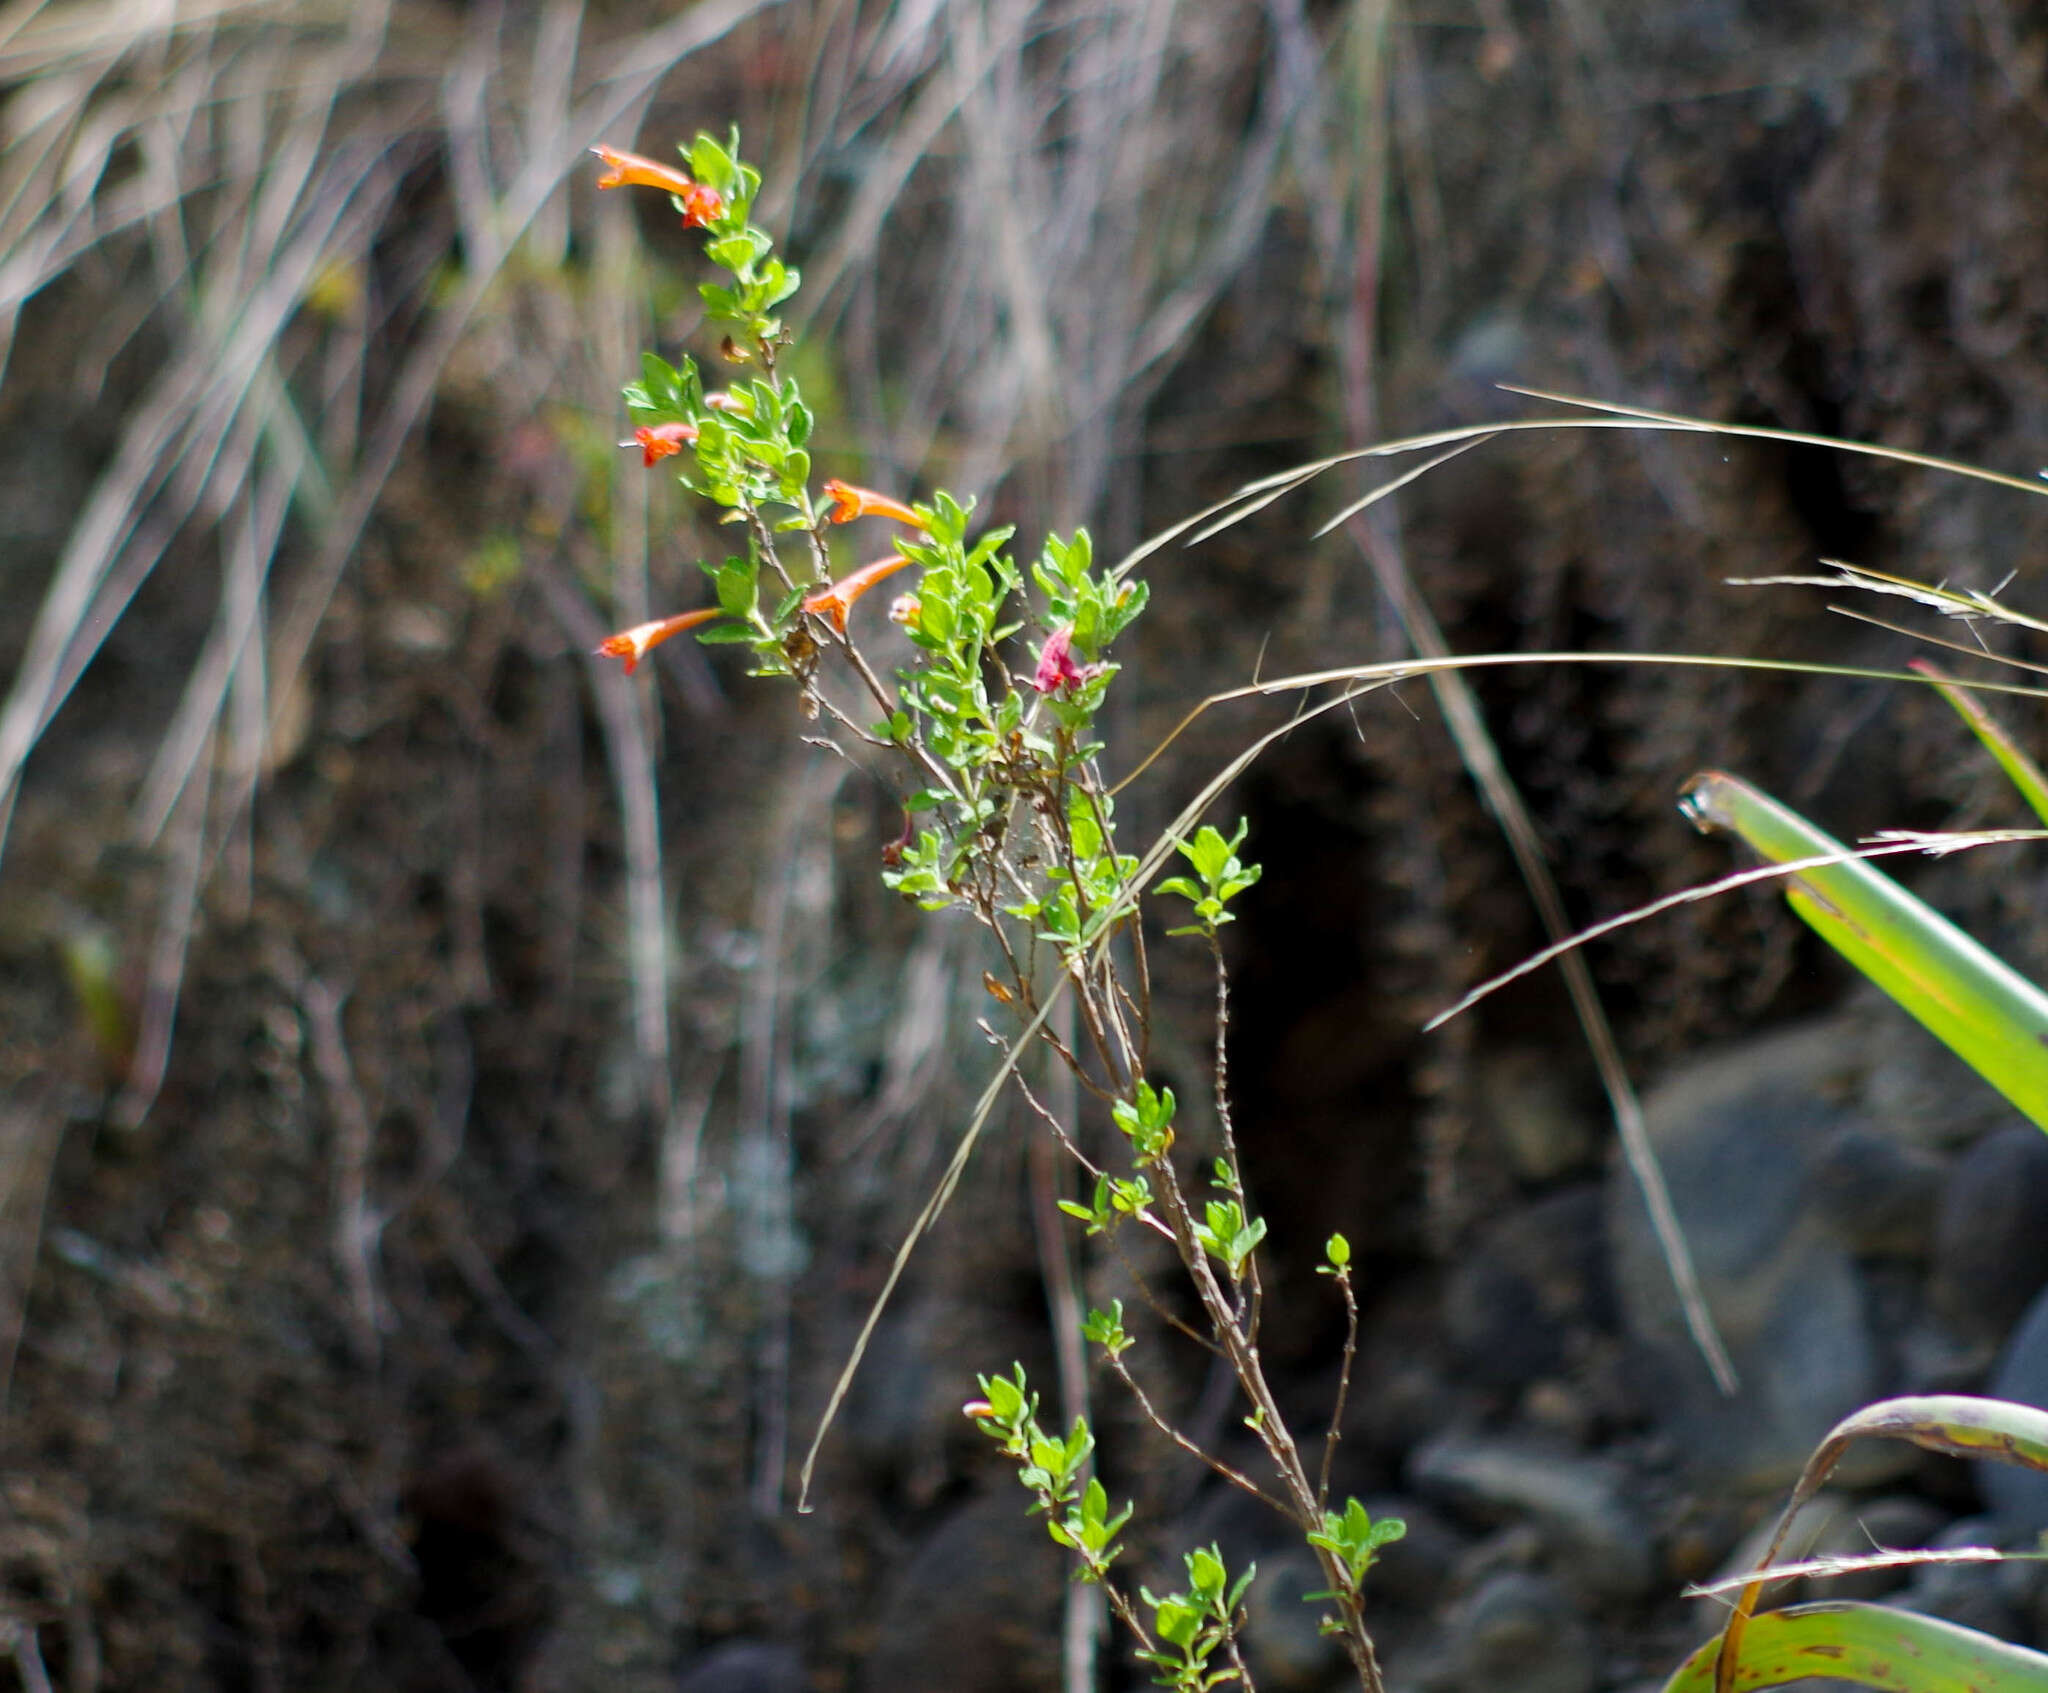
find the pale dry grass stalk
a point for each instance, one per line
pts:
(250, 157)
(1069, 216)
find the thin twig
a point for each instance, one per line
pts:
(1153, 1303)
(1236, 1478)
(1343, 1385)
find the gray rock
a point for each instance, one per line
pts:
(1415, 1572)
(745, 1666)
(1744, 1138)
(1537, 1113)
(1915, 1086)
(1581, 1507)
(2018, 1497)
(1401, 1353)
(974, 1609)
(1283, 1644)
(1878, 1194)
(1521, 1288)
(1991, 1242)
(1521, 1631)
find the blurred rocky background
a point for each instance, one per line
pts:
(456, 1105)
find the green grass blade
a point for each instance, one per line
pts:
(2026, 775)
(1871, 1646)
(1989, 1015)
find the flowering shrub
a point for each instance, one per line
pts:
(1011, 823)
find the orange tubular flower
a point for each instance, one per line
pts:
(632, 644)
(662, 441)
(849, 502)
(630, 170)
(834, 602)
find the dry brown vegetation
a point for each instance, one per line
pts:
(454, 1102)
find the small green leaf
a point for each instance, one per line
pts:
(737, 252)
(1005, 1397)
(1175, 1621)
(735, 587)
(711, 163)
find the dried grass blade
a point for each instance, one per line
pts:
(1712, 890)
(1796, 437)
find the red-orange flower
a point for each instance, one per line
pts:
(849, 502)
(702, 206)
(834, 602)
(663, 440)
(631, 170)
(632, 644)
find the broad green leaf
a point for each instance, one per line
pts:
(1986, 1012)
(1870, 1646)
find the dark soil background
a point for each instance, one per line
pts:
(448, 1303)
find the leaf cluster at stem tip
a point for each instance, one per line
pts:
(1054, 1470)
(1355, 1538)
(1222, 877)
(1194, 1624)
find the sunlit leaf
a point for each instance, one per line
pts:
(1986, 1012)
